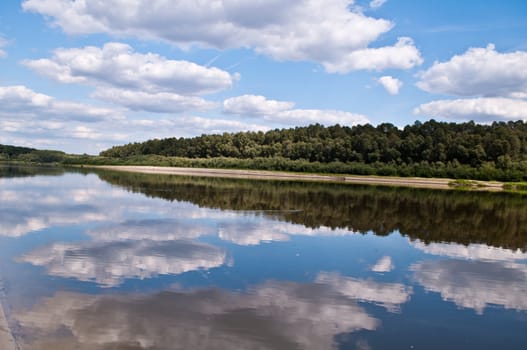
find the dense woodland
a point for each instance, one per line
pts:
(30, 155)
(497, 219)
(432, 149)
(460, 150)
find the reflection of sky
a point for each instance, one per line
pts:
(121, 247)
(384, 264)
(389, 295)
(108, 263)
(273, 315)
(471, 251)
(475, 284)
(33, 204)
(476, 276)
(305, 289)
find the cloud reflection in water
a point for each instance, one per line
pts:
(284, 315)
(109, 263)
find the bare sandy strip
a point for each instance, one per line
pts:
(7, 342)
(415, 182)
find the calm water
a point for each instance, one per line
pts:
(126, 261)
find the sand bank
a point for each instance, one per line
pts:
(277, 175)
(7, 342)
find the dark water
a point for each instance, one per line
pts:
(127, 261)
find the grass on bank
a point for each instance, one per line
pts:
(452, 170)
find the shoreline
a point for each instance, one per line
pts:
(413, 182)
(7, 341)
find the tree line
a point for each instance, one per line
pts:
(30, 155)
(460, 150)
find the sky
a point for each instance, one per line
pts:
(83, 75)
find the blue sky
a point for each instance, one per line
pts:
(83, 75)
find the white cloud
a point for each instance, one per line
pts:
(384, 264)
(327, 32)
(21, 102)
(481, 252)
(280, 112)
(194, 125)
(154, 230)
(299, 117)
(482, 109)
(249, 232)
(388, 295)
(479, 72)
(497, 83)
(255, 105)
(403, 55)
(43, 210)
(273, 315)
(109, 263)
(78, 137)
(374, 4)
(391, 84)
(117, 65)
(475, 284)
(159, 102)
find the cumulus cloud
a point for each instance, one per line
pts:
(495, 82)
(117, 65)
(77, 137)
(255, 105)
(159, 102)
(44, 210)
(402, 55)
(150, 229)
(472, 251)
(390, 84)
(384, 264)
(109, 263)
(20, 101)
(250, 232)
(389, 295)
(479, 72)
(272, 315)
(308, 30)
(194, 125)
(282, 112)
(475, 284)
(482, 109)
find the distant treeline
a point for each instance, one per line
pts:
(30, 155)
(459, 150)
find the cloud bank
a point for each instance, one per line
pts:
(282, 112)
(326, 32)
(492, 85)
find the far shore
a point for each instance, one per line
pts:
(415, 182)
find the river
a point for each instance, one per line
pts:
(108, 260)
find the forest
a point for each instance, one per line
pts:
(29, 155)
(497, 151)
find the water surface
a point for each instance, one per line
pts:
(113, 260)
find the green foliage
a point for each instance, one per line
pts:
(430, 149)
(29, 155)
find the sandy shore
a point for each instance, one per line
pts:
(7, 342)
(276, 175)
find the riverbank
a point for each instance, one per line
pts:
(414, 182)
(7, 342)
